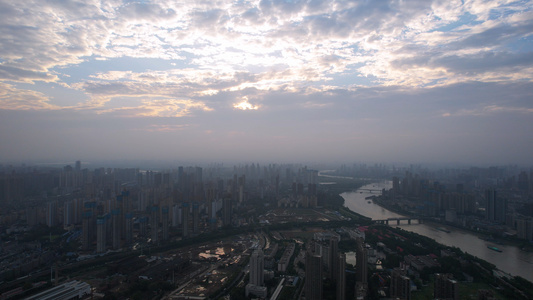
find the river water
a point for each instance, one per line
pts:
(512, 260)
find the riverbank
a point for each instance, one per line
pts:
(484, 235)
(512, 261)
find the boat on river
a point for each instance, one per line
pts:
(443, 229)
(495, 248)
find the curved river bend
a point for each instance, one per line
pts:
(512, 260)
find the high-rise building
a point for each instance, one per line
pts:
(496, 207)
(227, 211)
(100, 234)
(396, 185)
(195, 216)
(333, 257)
(86, 236)
(257, 263)
(361, 270)
(176, 215)
(242, 182)
(313, 276)
(51, 214)
(143, 222)
(210, 198)
(68, 213)
(445, 287)
(129, 227)
(524, 228)
(490, 198)
(326, 244)
(154, 223)
(400, 286)
(341, 277)
(256, 283)
(164, 222)
(115, 219)
(361, 261)
(185, 218)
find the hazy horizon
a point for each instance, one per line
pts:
(427, 82)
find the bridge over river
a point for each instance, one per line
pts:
(370, 190)
(399, 220)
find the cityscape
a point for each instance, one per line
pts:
(272, 231)
(266, 149)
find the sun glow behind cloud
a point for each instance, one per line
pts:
(245, 105)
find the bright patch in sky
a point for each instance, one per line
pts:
(245, 105)
(311, 68)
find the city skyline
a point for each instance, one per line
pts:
(322, 81)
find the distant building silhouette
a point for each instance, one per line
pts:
(496, 208)
(101, 246)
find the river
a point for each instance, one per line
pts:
(512, 260)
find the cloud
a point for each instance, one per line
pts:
(245, 105)
(320, 37)
(166, 127)
(11, 73)
(147, 12)
(489, 110)
(168, 108)
(12, 98)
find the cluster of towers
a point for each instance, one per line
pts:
(110, 208)
(323, 260)
(303, 190)
(433, 197)
(182, 202)
(162, 205)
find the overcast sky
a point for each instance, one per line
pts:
(393, 81)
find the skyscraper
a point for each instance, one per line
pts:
(496, 209)
(333, 257)
(341, 277)
(100, 234)
(68, 213)
(524, 228)
(400, 286)
(257, 262)
(129, 227)
(51, 213)
(256, 284)
(361, 281)
(195, 216)
(210, 197)
(445, 287)
(154, 223)
(185, 218)
(164, 222)
(313, 276)
(86, 237)
(115, 219)
(227, 211)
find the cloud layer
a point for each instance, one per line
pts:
(205, 70)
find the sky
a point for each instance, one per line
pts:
(288, 81)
